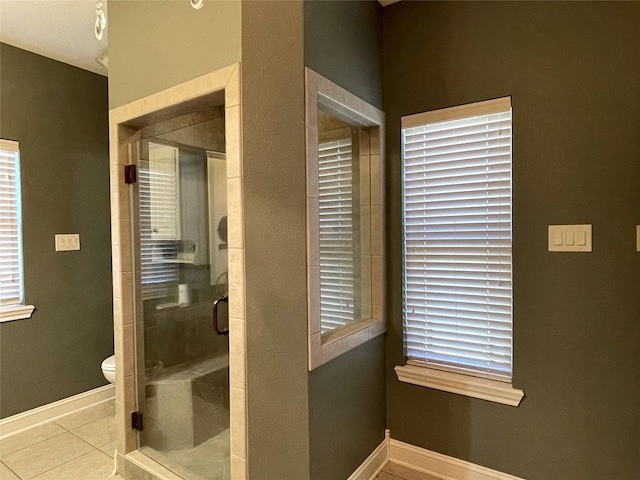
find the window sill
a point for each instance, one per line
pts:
(481, 388)
(19, 312)
(324, 349)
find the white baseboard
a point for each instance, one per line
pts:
(46, 413)
(374, 462)
(439, 465)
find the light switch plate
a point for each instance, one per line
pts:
(570, 238)
(67, 241)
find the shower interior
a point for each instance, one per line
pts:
(179, 210)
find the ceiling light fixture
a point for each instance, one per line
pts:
(101, 20)
(197, 4)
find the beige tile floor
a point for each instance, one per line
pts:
(393, 471)
(80, 446)
(77, 446)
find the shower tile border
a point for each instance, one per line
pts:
(124, 271)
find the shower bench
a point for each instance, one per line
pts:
(187, 404)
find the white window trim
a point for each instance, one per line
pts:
(448, 381)
(482, 388)
(16, 312)
(13, 312)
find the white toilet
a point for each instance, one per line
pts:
(109, 368)
(109, 372)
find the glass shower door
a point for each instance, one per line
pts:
(183, 386)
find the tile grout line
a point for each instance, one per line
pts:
(84, 425)
(10, 469)
(98, 448)
(65, 430)
(70, 460)
(63, 463)
(32, 444)
(91, 445)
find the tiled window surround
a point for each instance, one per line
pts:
(323, 348)
(144, 112)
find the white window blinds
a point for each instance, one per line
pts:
(11, 292)
(457, 239)
(335, 183)
(159, 221)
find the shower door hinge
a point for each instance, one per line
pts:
(136, 421)
(130, 174)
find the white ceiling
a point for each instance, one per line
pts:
(58, 29)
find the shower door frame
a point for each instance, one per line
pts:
(127, 298)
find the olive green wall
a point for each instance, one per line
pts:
(346, 411)
(343, 42)
(275, 238)
(573, 71)
(58, 113)
(154, 45)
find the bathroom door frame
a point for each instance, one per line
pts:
(127, 298)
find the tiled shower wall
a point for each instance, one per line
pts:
(179, 335)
